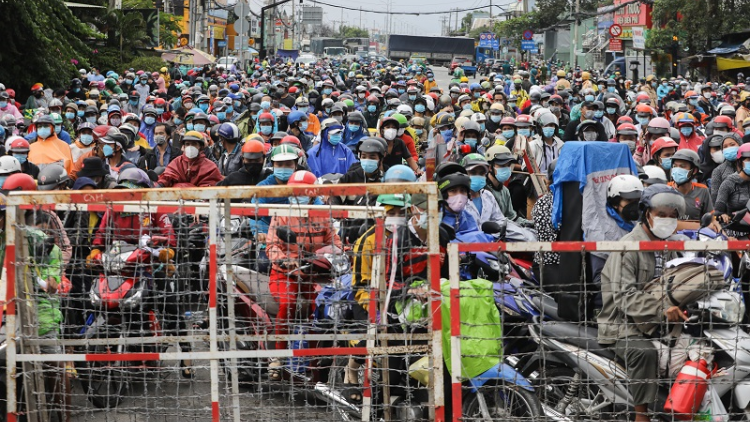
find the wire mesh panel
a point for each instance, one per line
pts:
(610, 331)
(221, 304)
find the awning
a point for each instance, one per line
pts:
(83, 5)
(728, 64)
(725, 49)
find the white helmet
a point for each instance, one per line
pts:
(9, 165)
(654, 175)
(406, 110)
(430, 103)
(625, 186)
(478, 117)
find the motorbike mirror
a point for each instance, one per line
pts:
(446, 234)
(421, 162)
(707, 219)
(286, 235)
(490, 227)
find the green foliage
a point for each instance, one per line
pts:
(353, 32)
(169, 27)
(513, 28)
(42, 42)
(106, 58)
(151, 64)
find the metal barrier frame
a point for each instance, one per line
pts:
(162, 201)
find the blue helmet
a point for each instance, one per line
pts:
(399, 173)
(295, 117)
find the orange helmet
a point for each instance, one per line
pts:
(643, 108)
(690, 94)
(291, 139)
(253, 149)
(624, 119)
(661, 143)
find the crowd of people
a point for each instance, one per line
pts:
(370, 122)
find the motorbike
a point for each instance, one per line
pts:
(126, 304)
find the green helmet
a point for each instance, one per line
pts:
(402, 121)
(57, 118)
(348, 103)
(395, 199)
(284, 152)
(474, 159)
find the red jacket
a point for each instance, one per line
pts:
(184, 172)
(129, 227)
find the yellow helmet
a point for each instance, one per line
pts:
(744, 95)
(464, 79)
(650, 78)
(560, 73)
(585, 76)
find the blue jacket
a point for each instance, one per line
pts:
(325, 158)
(351, 139)
(148, 132)
(462, 223)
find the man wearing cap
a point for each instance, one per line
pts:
(37, 99)
(48, 148)
(7, 107)
(95, 169)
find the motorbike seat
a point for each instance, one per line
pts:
(580, 336)
(256, 286)
(546, 305)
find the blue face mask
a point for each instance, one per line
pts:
(599, 114)
(496, 118)
(86, 139)
(149, 120)
(419, 108)
(127, 82)
(502, 174)
(299, 200)
(687, 131)
(466, 106)
(680, 175)
(302, 109)
(80, 114)
(327, 91)
(133, 102)
(70, 115)
(265, 105)
(611, 110)
(693, 102)
(548, 132)
(589, 98)
(91, 119)
(159, 111)
(611, 89)
(401, 90)
(108, 151)
(477, 183)
(471, 142)
(666, 163)
(203, 106)
(20, 157)
(303, 126)
(282, 174)
(482, 127)
(369, 166)
(477, 94)
(508, 134)
(177, 121)
(353, 128)
(44, 132)
(643, 121)
(746, 168)
(447, 134)
(221, 115)
(412, 97)
(730, 154)
(419, 131)
(430, 79)
(189, 126)
(266, 130)
(372, 108)
(335, 139)
(200, 127)
(524, 132)
(747, 131)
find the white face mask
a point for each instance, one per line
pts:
(394, 221)
(390, 134)
(191, 152)
(663, 227)
(718, 157)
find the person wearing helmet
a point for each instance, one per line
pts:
(455, 185)
(656, 128)
(521, 95)
(285, 161)
(7, 108)
(355, 130)
(9, 165)
(689, 136)
(397, 151)
(51, 177)
(626, 274)
(467, 141)
(298, 126)
(226, 152)
(545, 144)
(652, 175)
(662, 150)
(18, 148)
(371, 112)
(302, 105)
(482, 205)
(253, 166)
(330, 155)
(48, 148)
(650, 88)
(501, 162)
(113, 150)
(685, 168)
(587, 114)
(266, 125)
(192, 168)
(735, 188)
(742, 113)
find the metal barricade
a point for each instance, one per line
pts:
(146, 329)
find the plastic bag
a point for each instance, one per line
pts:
(712, 409)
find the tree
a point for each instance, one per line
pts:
(353, 32)
(125, 31)
(42, 42)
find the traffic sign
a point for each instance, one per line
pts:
(528, 45)
(615, 30)
(527, 34)
(615, 44)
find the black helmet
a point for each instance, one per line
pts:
(450, 181)
(52, 176)
(444, 119)
(372, 144)
(448, 167)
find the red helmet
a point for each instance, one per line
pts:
(19, 145)
(642, 97)
(265, 117)
(627, 129)
(643, 108)
(291, 139)
(293, 90)
(661, 143)
(624, 119)
(302, 177)
(160, 102)
(508, 121)
(723, 121)
(523, 120)
(253, 149)
(19, 182)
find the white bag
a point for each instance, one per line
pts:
(712, 409)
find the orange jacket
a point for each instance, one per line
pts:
(313, 233)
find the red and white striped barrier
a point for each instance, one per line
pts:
(618, 246)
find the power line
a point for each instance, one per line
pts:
(411, 13)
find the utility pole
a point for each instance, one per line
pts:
(360, 17)
(575, 33)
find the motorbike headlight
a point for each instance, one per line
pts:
(94, 296)
(134, 300)
(733, 311)
(494, 265)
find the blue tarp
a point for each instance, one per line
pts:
(725, 49)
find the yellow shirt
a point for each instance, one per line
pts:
(51, 151)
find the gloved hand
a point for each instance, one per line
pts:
(95, 255)
(145, 241)
(166, 255)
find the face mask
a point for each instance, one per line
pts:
(412, 97)
(548, 132)
(327, 91)
(430, 79)
(524, 132)
(707, 95)
(91, 119)
(353, 128)
(115, 122)
(447, 134)
(643, 121)
(303, 126)
(590, 136)
(159, 111)
(394, 221)
(680, 175)
(390, 134)
(589, 98)
(495, 119)
(508, 134)
(3, 104)
(717, 157)
(663, 227)
(127, 82)
(611, 110)
(266, 130)
(20, 157)
(177, 121)
(401, 90)
(44, 132)
(477, 94)
(189, 106)
(160, 140)
(477, 183)
(611, 89)
(361, 96)
(369, 166)
(189, 126)
(253, 168)
(372, 108)
(328, 111)
(693, 102)
(502, 174)
(58, 129)
(70, 115)
(339, 118)
(282, 174)
(80, 113)
(419, 108)
(149, 120)
(630, 144)
(457, 203)
(686, 131)
(730, 154)
(203, 106)
(108, 151)
(721, 133)
(472, 142)
(104, 114)
(302, 109)
(86, 139)
(335, 139)
(200, 127)
(598, 114)
(191, 152)
(630, 211)
(666, 163)
(419, 132)
(221, 115)
(589, 115)
(144, 81)
(299, 200)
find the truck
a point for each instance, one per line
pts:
(436, 50)
(353, 45)
(319, 44)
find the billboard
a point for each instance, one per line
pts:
(312, 15)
